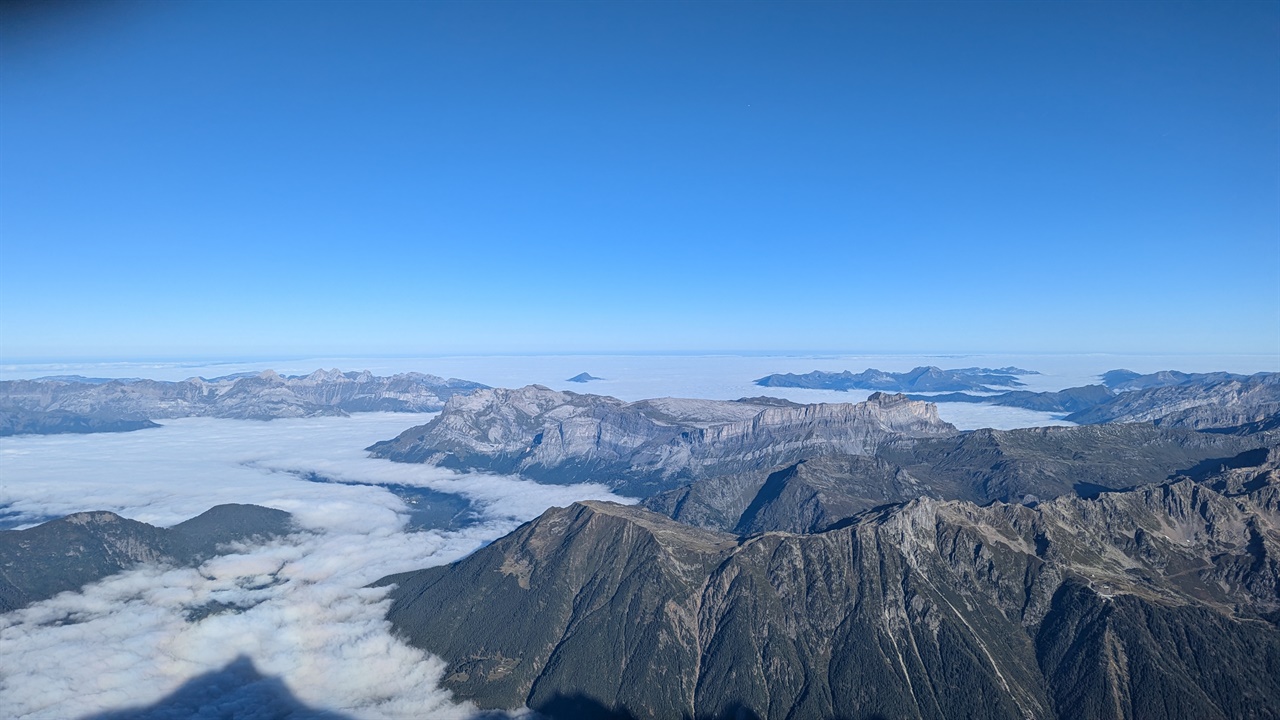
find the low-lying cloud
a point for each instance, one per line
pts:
(298, 607)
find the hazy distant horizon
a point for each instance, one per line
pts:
(632, 376)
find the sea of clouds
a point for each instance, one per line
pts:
(306, 616)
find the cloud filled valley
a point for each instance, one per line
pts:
(297, 607)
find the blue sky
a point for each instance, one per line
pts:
(248, 179)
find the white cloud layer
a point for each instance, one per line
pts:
(309, 619)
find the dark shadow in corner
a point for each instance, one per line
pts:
(236, 691)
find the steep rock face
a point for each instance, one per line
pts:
(263, 396)
(930, 609)
(1206, 401)
(1125, 657)
(650, 445)
(982, 466)
(67, 553)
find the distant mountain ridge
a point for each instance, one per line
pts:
(259, 396)
(1199, 401)
(1126, 380)
(70, 552)
(921, 379)
(1176, 399)
(651, 445)
(1068, 400)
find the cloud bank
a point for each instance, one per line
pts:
(297, 607)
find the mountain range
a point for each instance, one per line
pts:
(1168, 398)
(71, 404)
(1027, 465)
(644, 447)
(1159, 602)
(921, 379)
(860, 560)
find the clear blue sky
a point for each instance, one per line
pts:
(248, 179)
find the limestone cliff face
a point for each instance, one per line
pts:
(1154, 603)
(263, 396)
(650, 445)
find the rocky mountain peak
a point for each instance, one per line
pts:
(322, 376)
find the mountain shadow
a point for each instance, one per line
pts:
(236, 692)
(579, 707)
